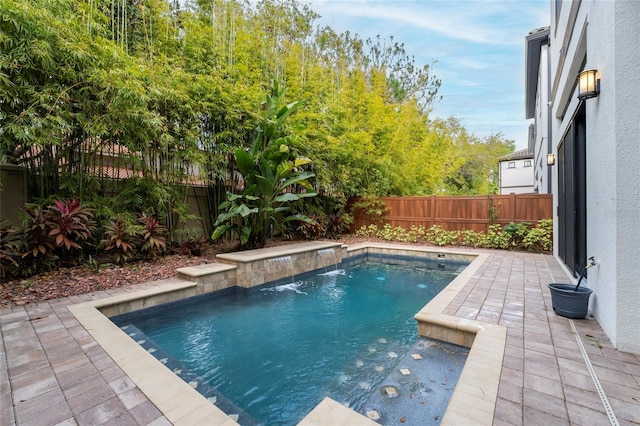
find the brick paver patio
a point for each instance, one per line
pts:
(53, 372)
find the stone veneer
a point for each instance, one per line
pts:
(257, 267)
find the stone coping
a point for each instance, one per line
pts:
(473, 400)
(474, 397)
(191, 273)
(430, 252)
(331, 413)
(179, 403)
(271, 252)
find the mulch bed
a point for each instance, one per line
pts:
(76, 280)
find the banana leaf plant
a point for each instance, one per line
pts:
(274, 177)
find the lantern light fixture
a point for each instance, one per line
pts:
(551, 159)
(588, 84)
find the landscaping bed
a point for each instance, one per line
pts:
(73, 281)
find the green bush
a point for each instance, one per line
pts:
(121, 236)
(510, 237)
(441, 237)
(470, 238)
(10, 250)
(370, 231)
(517, 233)
(540, 238)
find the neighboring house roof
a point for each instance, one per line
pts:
(109, 161)
(523, 154)
(534, 42)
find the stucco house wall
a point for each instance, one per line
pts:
(605, 35)
(537, 88)
(517, 179)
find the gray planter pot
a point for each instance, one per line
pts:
(568, 302)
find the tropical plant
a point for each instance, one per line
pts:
(120, 236)
(10, 245)
(189, 241)
(70, 224)
(273, 176)
(154, 236)
(142, 98)
(39, 246)
(312, 230)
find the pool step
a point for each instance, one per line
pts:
(418, 389)
(209, 276)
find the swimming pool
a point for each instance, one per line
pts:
(277, 350)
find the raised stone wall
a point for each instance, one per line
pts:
(257, 267)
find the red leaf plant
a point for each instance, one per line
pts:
(71, 224)
(154, 236)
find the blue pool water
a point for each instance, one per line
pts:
(278, 350)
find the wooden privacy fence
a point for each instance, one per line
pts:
(458, 213)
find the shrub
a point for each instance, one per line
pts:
(70, 223)
(337, 223)
(441, 237)
(373, 207)
(512, 236)
(370, 231)
(189, 241)
(39, 246)
(10, 250)
(540, 238)
(154, 236)
(517, 233)
(495, 238)
(313, 229)
(470, 238)
(120, 236)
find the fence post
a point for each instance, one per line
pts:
(512, 207)
(433, 211)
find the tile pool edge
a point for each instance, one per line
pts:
(473, 399)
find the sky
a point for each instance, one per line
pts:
(478, 47)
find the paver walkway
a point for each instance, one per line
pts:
(53, 372)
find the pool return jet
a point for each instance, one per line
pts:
(571, 301)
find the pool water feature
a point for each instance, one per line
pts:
(278, 350)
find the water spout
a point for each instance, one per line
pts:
(591, 263)
(284, 267)
(327, 258)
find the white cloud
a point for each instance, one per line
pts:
(481, 22)
(478, 46)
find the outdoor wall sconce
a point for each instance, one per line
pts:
(551, 159)
(588, 84)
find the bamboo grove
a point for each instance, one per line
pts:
(127, 103)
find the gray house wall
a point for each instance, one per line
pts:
(605, 35)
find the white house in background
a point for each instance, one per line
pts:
(537, 94)
(515, 173)
(596, 143)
